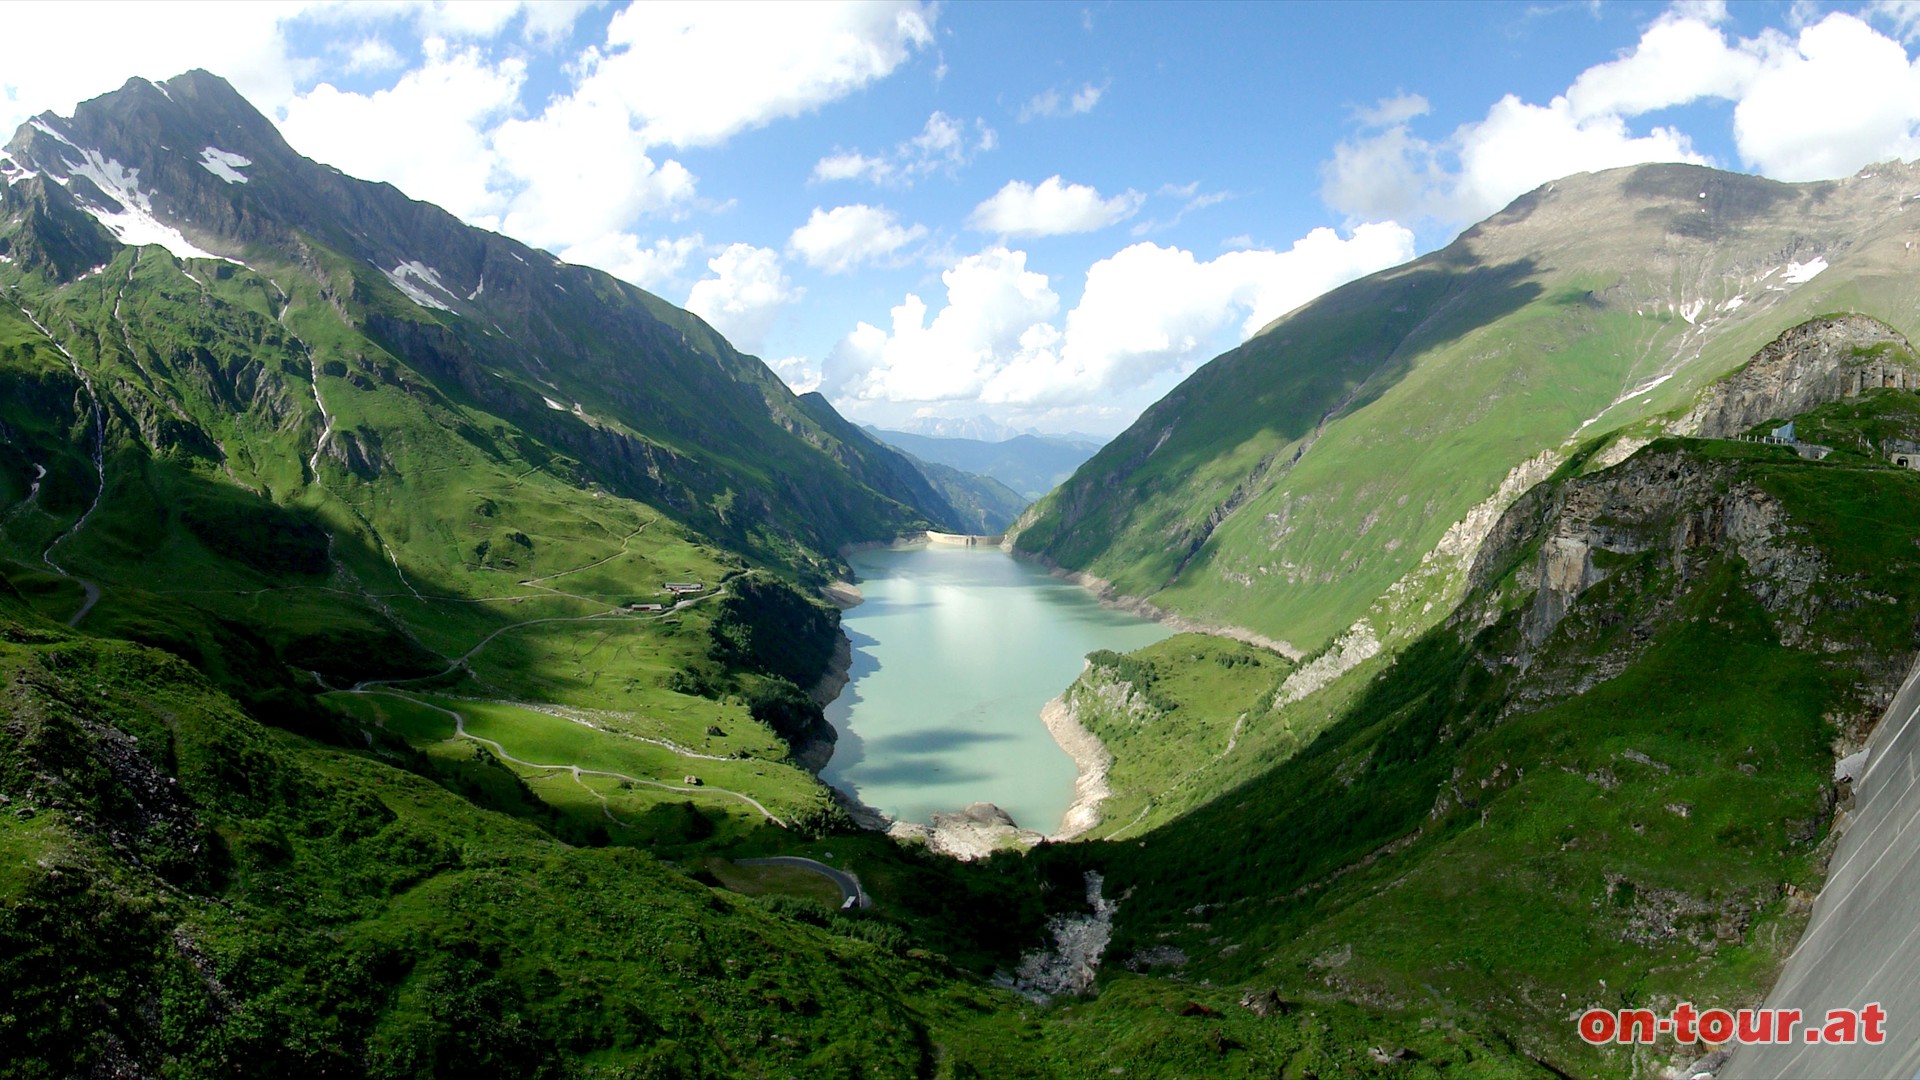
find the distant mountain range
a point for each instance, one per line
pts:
(1030, 464)
(982, 428)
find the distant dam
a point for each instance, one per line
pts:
(964, 539)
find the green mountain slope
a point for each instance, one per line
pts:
(985, 505)
(352, 728)
(368, 443)
(1287, 484)
(640, 397)
(185, 892)
(1605, 782)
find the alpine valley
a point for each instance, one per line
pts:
(411, 645)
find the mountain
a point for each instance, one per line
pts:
(988, 505)
(958, 501)
(980, 428)
(230, 371)
(325, 518)
(1031, 465)
(1330, 477)
(643, 398)
(409, 648)
(1606, 780)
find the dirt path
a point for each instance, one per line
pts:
(460, 730)
(624, 541)
(610, 615)
(585, 720)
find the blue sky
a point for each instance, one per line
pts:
(1046, 214)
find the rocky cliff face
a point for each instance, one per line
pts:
(1675, 504)
(1819, 361)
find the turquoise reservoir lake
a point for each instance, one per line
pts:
(955, 651)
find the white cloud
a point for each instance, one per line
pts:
(1052, 208)
(840, 239)
(1519, 146)
(1842, 96)
(1054, 103)
(799, 373)
(426, 135)
(1678, 60)
(650, 266)
(1823, 102)
(547, 21)
(373, 55)
(109, 42)
(1045, 103)
(469, 18)
(1146, 311)
(996, 310)
(579, 171)
(852, 166)
(543, 22)
(1902, 15)
(745, 294)
(1395, 175)
(777, 60)
(944, 144)
(1394, 110)
(1191, 199)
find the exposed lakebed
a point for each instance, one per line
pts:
(955, 652)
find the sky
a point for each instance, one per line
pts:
(1040, 214)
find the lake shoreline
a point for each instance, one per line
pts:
(818, 754)
(982, 826)
(1109, 597)
(814, 754)
(1090, 756)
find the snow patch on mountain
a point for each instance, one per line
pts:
(11, 171)
(1801, 273)
(48, 129)
(1645, 388)
(224, 165)
(552, 404)
(130, 219)
(415, 279)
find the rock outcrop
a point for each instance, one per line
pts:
(1817, 362)
(1683, 507)
(1072, 963)
(974, 833)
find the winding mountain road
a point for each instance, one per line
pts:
(460, 730)
(851, 894)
